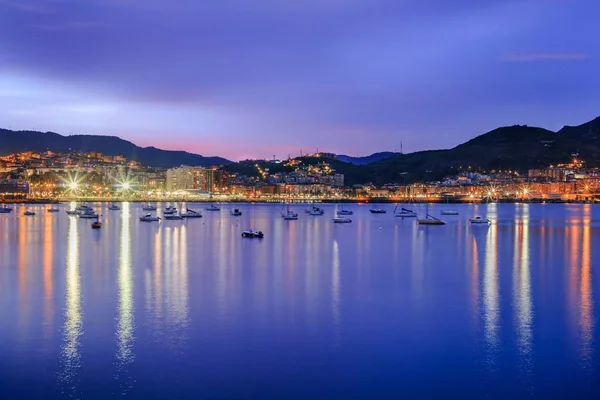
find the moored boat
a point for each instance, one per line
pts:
(190, 214)
(315, 211)
(341, 220)
(479, 220)
(289, 215)
(149, 207)
(114, 207)
(5, 210)
(253, 234)
(29, 213)
(149, 218)
(89, 214)
(449, 212)
(404, 213)
(343, 211)
(236, 212)
(97, 224)
(430, 220)
(170, 210)
(212, 207)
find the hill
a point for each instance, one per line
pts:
(21, 141)
(508, 148)
(367, 159)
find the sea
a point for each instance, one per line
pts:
(379, 308)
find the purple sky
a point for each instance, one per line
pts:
(256, 78)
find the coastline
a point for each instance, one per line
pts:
(296, 201)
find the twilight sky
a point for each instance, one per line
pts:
(257, 78)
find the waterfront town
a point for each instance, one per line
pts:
(52, 176)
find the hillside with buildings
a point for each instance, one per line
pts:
(12, 142)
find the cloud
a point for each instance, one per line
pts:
(531, 57)
(343, 75)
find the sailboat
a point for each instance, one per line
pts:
(289, 215)
(430, 219)
(449, 211)
(315, 211)
(404, 213)
(344, 211)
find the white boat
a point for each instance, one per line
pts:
(404, 213)
(341, 220)
(90, 214)
(72, 212)
(28, 213)
(114, 207)
(170, 210)
(212, 208)
(449, 212)
(479, 220)
(315, 211)
(149, 218)
(171, 217)
(236, 212)
(5, 210)
(190, 214)
(377, 210)
(289, 215)
(53, 210)
(149, 207)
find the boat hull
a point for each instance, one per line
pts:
(430, 222)
(342, 220)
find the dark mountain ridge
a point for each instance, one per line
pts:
(21, 141)
(517, 147)
(366, 159)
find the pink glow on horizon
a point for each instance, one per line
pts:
(218, 148)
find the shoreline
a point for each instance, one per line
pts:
(296, 201)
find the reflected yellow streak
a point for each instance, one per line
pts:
(125, 320)
(522, 285)
(475, 277)
(22, 267)
(335, 286)
(71, 357)
(158, 274)
(491, 301)
(586, 318)
(48, 267)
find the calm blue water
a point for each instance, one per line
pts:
(380, 308)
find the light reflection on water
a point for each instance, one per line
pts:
(73, 324)
(522, 291)
(491, 300)
(125, 317)
(314, 308)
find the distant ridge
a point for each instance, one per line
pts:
(517, 148)
(367, 159)
(21, 141)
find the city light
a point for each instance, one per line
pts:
(73, 185)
